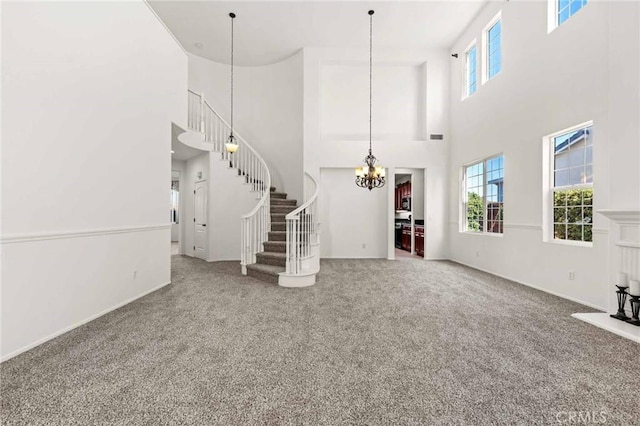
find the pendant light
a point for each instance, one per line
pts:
(370, 176)
(231, 145)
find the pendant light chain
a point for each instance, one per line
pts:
(370, 176)
(231, 145)
(370, 73)
(232, 17)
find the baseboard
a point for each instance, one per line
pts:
(562, 296)
(78, 324)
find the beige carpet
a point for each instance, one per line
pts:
(374, 342)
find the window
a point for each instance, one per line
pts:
(484, 196)
(567, 8)
(572, 184)
(470, 79)
(492, 44)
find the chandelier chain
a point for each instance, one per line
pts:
(370, 74)
(233, 16)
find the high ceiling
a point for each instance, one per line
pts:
(268, 31)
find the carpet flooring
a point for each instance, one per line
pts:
(373, 342)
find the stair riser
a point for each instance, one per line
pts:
(277, 248)
(278, 217)
(278, 195)
(283, 202)
(275, 236)
(282, 209)
(274, 261)
(273, 279)
(278, 226)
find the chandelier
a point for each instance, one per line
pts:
(231, 145)
(370, 176)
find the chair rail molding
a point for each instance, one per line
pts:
(58, 235)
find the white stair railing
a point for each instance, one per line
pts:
(250, 165)
(303, 235)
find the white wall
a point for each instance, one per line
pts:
(267, 111)
(356, 218)
(229, 199)
(86, 112)
(334, 143)
(586, 69)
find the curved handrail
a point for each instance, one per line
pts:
(307, 203)
(302, 236)
(267, 185)
(250, 164)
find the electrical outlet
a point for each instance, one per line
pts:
(364, 245)
(135, 274)
(572, 275)
(477, 254)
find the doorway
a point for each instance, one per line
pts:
(200, 220)
(175, 212)
(409, 224)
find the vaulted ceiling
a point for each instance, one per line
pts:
(270, 31)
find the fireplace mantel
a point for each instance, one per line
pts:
(628, 217)
(625, 257)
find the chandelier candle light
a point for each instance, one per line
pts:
(370, 176)
(231, 145)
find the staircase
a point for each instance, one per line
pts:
(280, 242)
(273, 260)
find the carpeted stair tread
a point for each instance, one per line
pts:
(272, 258)
(283, 202)
(278, 217)
(280, 195)
(267, 273)
(278, 226)
(272, 254)
(275, 246)
(277, 235)
(282, 209)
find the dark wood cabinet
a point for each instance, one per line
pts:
(419, 240)
(406, 237)
(402, 191)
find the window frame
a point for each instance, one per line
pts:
(464, 197)
(549, 188)
(553, 18)
(485, 47)
(465, 75)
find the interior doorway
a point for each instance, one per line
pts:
(409, 224)
(175, 213)
(200, 220)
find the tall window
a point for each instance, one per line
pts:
(492, 48)
(572, 184)
(567, 8)
(470, 78)
(484, 196)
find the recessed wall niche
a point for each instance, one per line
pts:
(399, 101)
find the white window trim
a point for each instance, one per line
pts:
(463, 194)
(485, 48)
(548, 188)
(552, 15)
(465, 85)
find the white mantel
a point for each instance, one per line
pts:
(624, 257)
(622, 216)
